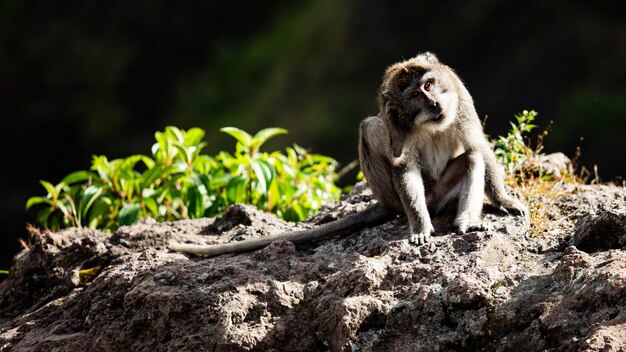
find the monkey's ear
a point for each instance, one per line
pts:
(399, 128)
(430, 57)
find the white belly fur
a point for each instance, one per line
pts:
(435, 151)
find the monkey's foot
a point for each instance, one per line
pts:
(422, 236)
(473, 228)
(464, 225)
(512, 205)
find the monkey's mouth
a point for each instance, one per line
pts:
(437, 118)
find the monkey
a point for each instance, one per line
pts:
(424, 152)
(426, 148)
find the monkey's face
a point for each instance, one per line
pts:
(419, 93)
(428, 101)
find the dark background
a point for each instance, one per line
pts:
(100, 77)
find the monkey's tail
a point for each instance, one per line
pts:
(371, 216)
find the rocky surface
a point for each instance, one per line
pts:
(501, 289)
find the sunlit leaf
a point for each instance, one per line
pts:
(175, 132)
(32, 201)
(194, 136)
(77, 176)
(242, 136)
(49, 188)
(220, 181)
(90, 195)
(263, 135)
(264, 174)
(152, 206)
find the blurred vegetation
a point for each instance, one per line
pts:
(514, 150)
(178, 182)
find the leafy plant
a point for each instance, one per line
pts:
(178, 182)
(514, 150)
(293, 185)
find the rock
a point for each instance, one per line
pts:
(554, 163)
(603, 230)
(500, 289)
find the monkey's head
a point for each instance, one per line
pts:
(419, 93)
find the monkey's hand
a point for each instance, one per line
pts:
(421, 237)
(510, 204)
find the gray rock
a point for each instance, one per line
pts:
(495, 290)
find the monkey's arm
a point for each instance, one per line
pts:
(408, 181)
(373, 215)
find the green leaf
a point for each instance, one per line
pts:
(242, 136)
(32, 201)
(99, 213)
(236, 190)
(150, 176)
(263, 135)
(65, 205)
(128, 163)
(43, 216)
(49, 188)
(152, 207)
(148, 161)
(174, 133)
(264, 174)
(183, 151)
(77, 176)
(220, 181)
(195, 203)
(194, 136)
(129, 213)
(299, 211)
(90, 195)
(167, 187)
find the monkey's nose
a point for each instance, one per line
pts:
(435, 107)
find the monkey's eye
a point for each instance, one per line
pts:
(415, 94)
(428, 86)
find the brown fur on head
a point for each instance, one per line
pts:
(398, 74)
(417, 94)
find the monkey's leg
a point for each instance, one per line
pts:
(494, 183)
(471, 194)
(463, 179)
(373, 151)
(448, 185)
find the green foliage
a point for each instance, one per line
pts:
(512, 150)
(179, 182)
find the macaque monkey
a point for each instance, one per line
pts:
(426, 149)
